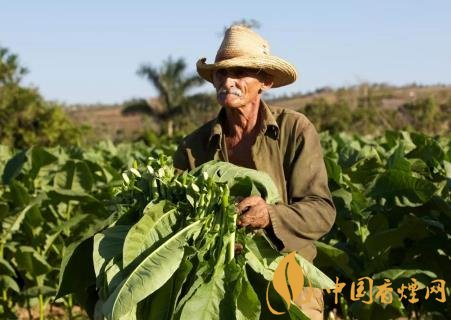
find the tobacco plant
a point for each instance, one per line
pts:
(171, 255)
(393, 221)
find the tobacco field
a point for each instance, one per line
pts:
(392, 195)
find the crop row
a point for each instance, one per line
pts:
(393, 217)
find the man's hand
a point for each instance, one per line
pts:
(253, 213)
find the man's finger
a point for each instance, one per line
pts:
(248, 202)
(256, 217)
(251, 218)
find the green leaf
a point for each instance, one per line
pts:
(365, 172)
(243, 187)
(37, 290)
(77, 260)
(228, 173)
(397, 161)
(206, 300)
(110, 277)
(263, 259)
(40, 158)
(8, 282)
(247, 303)
(333, 170)
(108, 244)
(12, 223)
(66, 225)
(426, 149)
(78, 256)
(329, 256)
(64, 177)
(396, 183)
(396, 274)
(378, 223)
(28, 259)
(156, 225)
(6, 268)
(344, 195)
(410, 227)
(260, 255)
(75, 175)
(161, 304)
(14, 166)
(260, 286)
(5, 154)
(107, 258)
(64, 195)
(313, 275)
(85, 179)
(19, 196)
(148, 276)
(420, 167)
(296, 313)
(348, 157)
(377, 310)
(4, 210)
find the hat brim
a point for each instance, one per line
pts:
(283, 72)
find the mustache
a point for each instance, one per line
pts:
(234, 91)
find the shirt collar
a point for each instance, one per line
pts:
(269, 127)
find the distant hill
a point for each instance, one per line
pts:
(108, 122)
(391, 97)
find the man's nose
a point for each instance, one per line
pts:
(225, 79)
(229, 81)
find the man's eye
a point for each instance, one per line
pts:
(240, 72)
(221, 72)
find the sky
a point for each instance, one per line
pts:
(88, 51)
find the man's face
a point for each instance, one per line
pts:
(237, 87)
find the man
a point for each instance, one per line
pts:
(280, 142)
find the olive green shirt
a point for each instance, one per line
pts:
(289, 150)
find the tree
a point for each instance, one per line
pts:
(26, 119)
(172, 85)
(11, 72)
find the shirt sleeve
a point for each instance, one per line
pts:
(310, 212)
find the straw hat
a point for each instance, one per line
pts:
(242, 47)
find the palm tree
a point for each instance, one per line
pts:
(172, 85)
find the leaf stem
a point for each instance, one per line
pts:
(4, 295)
(41, 307)
(225, 226)
(69, 306)
(232, 239)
